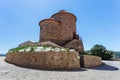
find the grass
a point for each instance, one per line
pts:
(18, 48)
(33, 48)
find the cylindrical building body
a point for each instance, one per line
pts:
(68, 25)
(50, 31)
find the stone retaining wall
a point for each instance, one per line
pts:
(90, 61)
(44, 59)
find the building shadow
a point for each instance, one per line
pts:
(101, 67)
(63, 70)
(51, 69)
(105, 67)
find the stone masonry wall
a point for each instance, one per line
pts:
(50, 31)
(44, 59)
(90, 61)
(68, 26)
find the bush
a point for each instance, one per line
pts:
(108, 55)
(18, 48)
(84, 53)
(101, 51)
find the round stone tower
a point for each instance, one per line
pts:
(68, 25)
(61, 30)
(50, 30)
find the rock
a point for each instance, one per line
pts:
(75, 44)
(48, 43)
(27, 43)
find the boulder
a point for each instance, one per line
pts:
(48, 43)
(30, 43)
(75, 44)
(27, 43)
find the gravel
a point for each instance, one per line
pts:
(108, 71)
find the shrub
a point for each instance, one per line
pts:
(32, 49)
(84, 53)
(18, 48)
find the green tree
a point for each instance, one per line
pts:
(108, 55)
(101, 51)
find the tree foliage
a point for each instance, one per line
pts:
(101, 51)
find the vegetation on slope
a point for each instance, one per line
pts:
(39, 48)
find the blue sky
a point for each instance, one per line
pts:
(98, 21)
